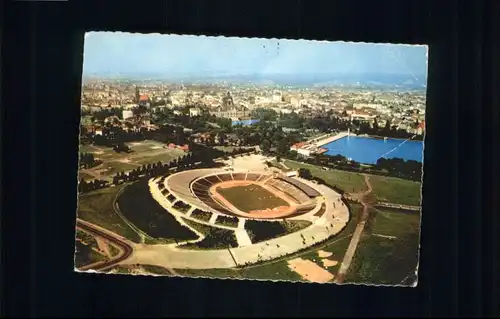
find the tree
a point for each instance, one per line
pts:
(265, 146)
(305, 173)
(282, 146)
(387, 127)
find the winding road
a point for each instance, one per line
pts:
(126, 250)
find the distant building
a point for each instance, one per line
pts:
(144, 101)
(194, 111)
(362, 116)
(127, 114)
(232, 113)
(227, 100)
(277, 97)
(137, 94)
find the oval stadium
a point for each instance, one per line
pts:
(268, 213)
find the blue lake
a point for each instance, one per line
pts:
(368, 150)
(245, 122)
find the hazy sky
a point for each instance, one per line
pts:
(108, 52)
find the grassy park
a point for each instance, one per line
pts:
(97, 208)
(388, 250)
(138, 206)
(144, 152)
(394, 223)
(348, 181)
(215, 238)
(396, 190)
(386, 189)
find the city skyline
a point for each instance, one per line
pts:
(173, 55)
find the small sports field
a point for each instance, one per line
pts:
(251, 198)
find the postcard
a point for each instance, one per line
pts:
(250, 158)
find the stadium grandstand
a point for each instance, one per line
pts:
(193, 188)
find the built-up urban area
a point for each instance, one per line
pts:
(309, 111)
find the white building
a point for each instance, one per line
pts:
(277, 96)
(127, 114)
(194, 111)
(304, 152)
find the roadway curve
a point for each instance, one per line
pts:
(126, 250)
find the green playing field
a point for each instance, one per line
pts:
(251, 197)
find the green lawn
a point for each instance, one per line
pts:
(262, 230)
(252, 197)
(156, 270)
(115, 167)
(120, 269)
(394, 223)
(384, 261)
(228, 221)
(388, 189)
(85, 176)
(86, 238)
(215, 238)
(102, 152)
(97, 207)
(88, 148)
(144, 212)
(381, 260)
(113, 250)
(212, 273)
(145, 152)
(85, 255)
(273, 271)
(165, 157)
(201, 215)
(396, 190)
(348, 181)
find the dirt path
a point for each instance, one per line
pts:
(351, 250)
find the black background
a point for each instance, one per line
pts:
(41, 79)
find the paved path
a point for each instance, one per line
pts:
(119, 242)
(351, 250)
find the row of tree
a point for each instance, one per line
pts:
(395, 167)
(87, 160)
(398, 167)
(84, 186)
(386, 131)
